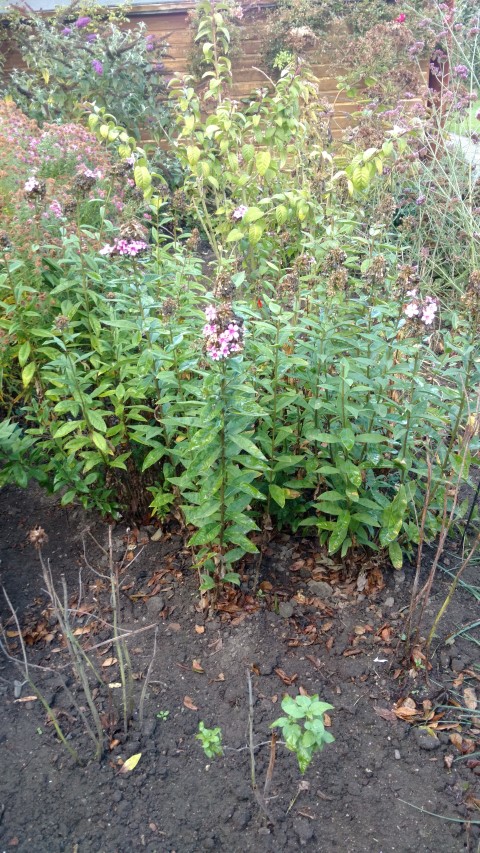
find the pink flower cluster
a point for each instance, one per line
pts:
(31, 184)
(55, 209)
(424, 310)
(221, 343)
(239, 212)
(92, 173)
(130, 248)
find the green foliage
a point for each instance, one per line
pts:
(303, 727)
(211, 740)
(84, 53)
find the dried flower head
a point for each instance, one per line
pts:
(37, 537)
(61, 322)
(224, 287)
(193, 242)
(334, 259)
(34, 188)
(337, 281)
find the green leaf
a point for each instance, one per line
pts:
(23, 353)
(252, 214)
(245, 444)
(207, 534)
(277, 493)
(339, 532)
(262, 161)
(395, 554)
(206, 583)
(153, 457)
(234, 235)
(392, 517)
(67, 428)
(100, 443)
(347, 438)
(28, 373)
(322, 437)
(232, 577)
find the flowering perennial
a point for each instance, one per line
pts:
(131, 248)
(239, 212)
(223, 334)
(424, 310)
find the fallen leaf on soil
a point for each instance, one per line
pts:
(348, 653)
(25, 699)
(326, 626)
(464, 745)
(197, 666)
(109, 662)
(448, 760)
(220, 677)
(129, 556)
(458, 681)
(114, 685)
(302, 691)
(287, 679)
(176, 627)
(386, 714)
(130, 763)
(274, 698)
(360, 629)
(155, 537)
(472, 802)
(78, 632)
(113, 743)
(316, 661)
(361, 581)
(12, 633)
(327, 721)
(188, 702)
(470, 698)
(329, 643)
(405, 710)
(199, 629)
(266, 586)
(386, 634)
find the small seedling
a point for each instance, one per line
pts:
(162, 715)
(303, 727)
(211, 740)
(39, 731)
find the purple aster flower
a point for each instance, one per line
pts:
(80, 23)
(91, 38)
(66, 31)
(97, 66)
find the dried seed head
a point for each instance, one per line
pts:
(193, 241)
(224, 286)
(37, 537)
(61, 323)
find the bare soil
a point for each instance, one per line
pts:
(323, 628)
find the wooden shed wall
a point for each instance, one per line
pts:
(248, 64)
(173, 27)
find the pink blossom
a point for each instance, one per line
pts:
(401, 18)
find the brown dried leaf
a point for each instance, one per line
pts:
(287, 679)
(406, 710)
(199, 629)
(109, 662)
(78, 632)
(457, 741)
(470, 698)
(448, 760)
(327, 721)
(25, 699)
(189, 703)
(329, 643)
(113, 743)
(387, 714)
(360, 630)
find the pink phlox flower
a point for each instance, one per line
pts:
(56, 208)
(401, 18)
(411, 310)
(210, 313)
(209, 330)
(129, 248)
(31, 184)
(239, 212)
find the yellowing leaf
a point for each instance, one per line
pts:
(131, 763)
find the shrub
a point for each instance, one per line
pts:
(85, 53)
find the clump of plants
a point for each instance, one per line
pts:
(85, 53)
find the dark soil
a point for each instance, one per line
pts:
(338, 640)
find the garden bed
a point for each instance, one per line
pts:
(323, 628)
